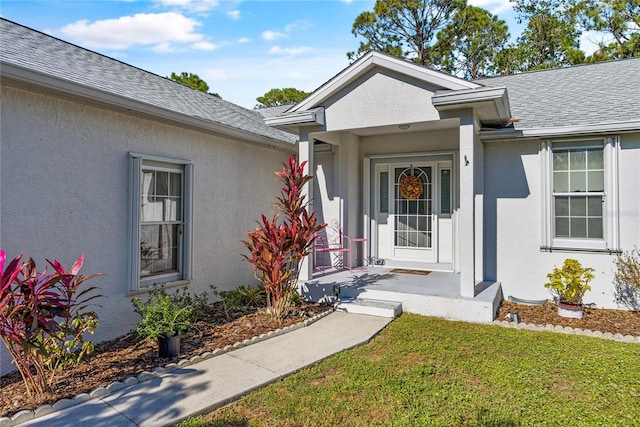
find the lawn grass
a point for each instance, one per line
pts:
(423, 371)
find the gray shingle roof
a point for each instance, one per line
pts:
(579, 95)
(30, 49)
(268, 112)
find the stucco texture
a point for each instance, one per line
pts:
(64, 193)
(512, 221)
(379, 98)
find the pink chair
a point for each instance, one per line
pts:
(331, 242)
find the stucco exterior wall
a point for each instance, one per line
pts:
(64, 179)
(380, 98)
(512, 221)
(411, 142)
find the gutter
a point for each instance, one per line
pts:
(602, 128)
(497, 97)
(27, 78)
(314, 116)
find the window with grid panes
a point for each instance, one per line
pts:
(578, 192)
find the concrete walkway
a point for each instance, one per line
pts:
(212, 383)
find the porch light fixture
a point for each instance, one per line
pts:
(404, 126)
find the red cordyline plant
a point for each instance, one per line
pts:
(43, 317)
(277, 245)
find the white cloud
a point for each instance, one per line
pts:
(272, 35)
(494, 6)
(295, 50)
(191, 5)
(163, 48)
(159, 29)
(233, 15)
(244, 40)
(589, 41)
(215, 74)
(297, 26)
(204, 45)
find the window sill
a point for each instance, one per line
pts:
(166, 285)
(580, 249)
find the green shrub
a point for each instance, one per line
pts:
(168, 314)
(242, 296)
(570, 283)
(627, 279)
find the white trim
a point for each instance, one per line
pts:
(558, 131)
(611, 234)
(368, 220)
(310, 117)
(376, 59)
(136, 163)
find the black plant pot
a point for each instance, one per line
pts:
(169, 347)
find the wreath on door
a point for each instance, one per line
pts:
(411, 187)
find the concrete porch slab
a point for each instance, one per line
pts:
(372, 307)
(434, 294)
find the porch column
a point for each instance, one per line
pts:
(305, 152)
(466, 212)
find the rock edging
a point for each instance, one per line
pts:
(99, 392)
(568, 330)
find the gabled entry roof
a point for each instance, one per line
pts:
(377, 59)
(451, 92)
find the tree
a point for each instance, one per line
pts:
(551, 37)
(470, 45)
(620, 21)
(284, 96)
(405, 28)
(192, 80)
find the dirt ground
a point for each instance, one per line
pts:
(614, 321)
(130, 355)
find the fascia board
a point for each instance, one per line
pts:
(309, 117)
(497, 97)
(29, 78)
(468, 96)
(373, 59)
(613, 127)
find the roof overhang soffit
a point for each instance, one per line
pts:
(291, 121)
(491, 104)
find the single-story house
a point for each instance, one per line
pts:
(153, 181)
(157, 183)
(518, 172)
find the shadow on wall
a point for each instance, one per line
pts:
(504, 178)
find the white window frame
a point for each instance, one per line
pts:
(610, 227)
(137, 162)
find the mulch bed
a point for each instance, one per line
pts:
(595, 319)
(130, 355)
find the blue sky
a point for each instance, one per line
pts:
(241, 48)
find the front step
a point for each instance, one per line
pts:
(380, 308)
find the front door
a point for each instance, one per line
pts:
(411, 213)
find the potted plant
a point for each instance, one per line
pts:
(163, 318)
(569, 285)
